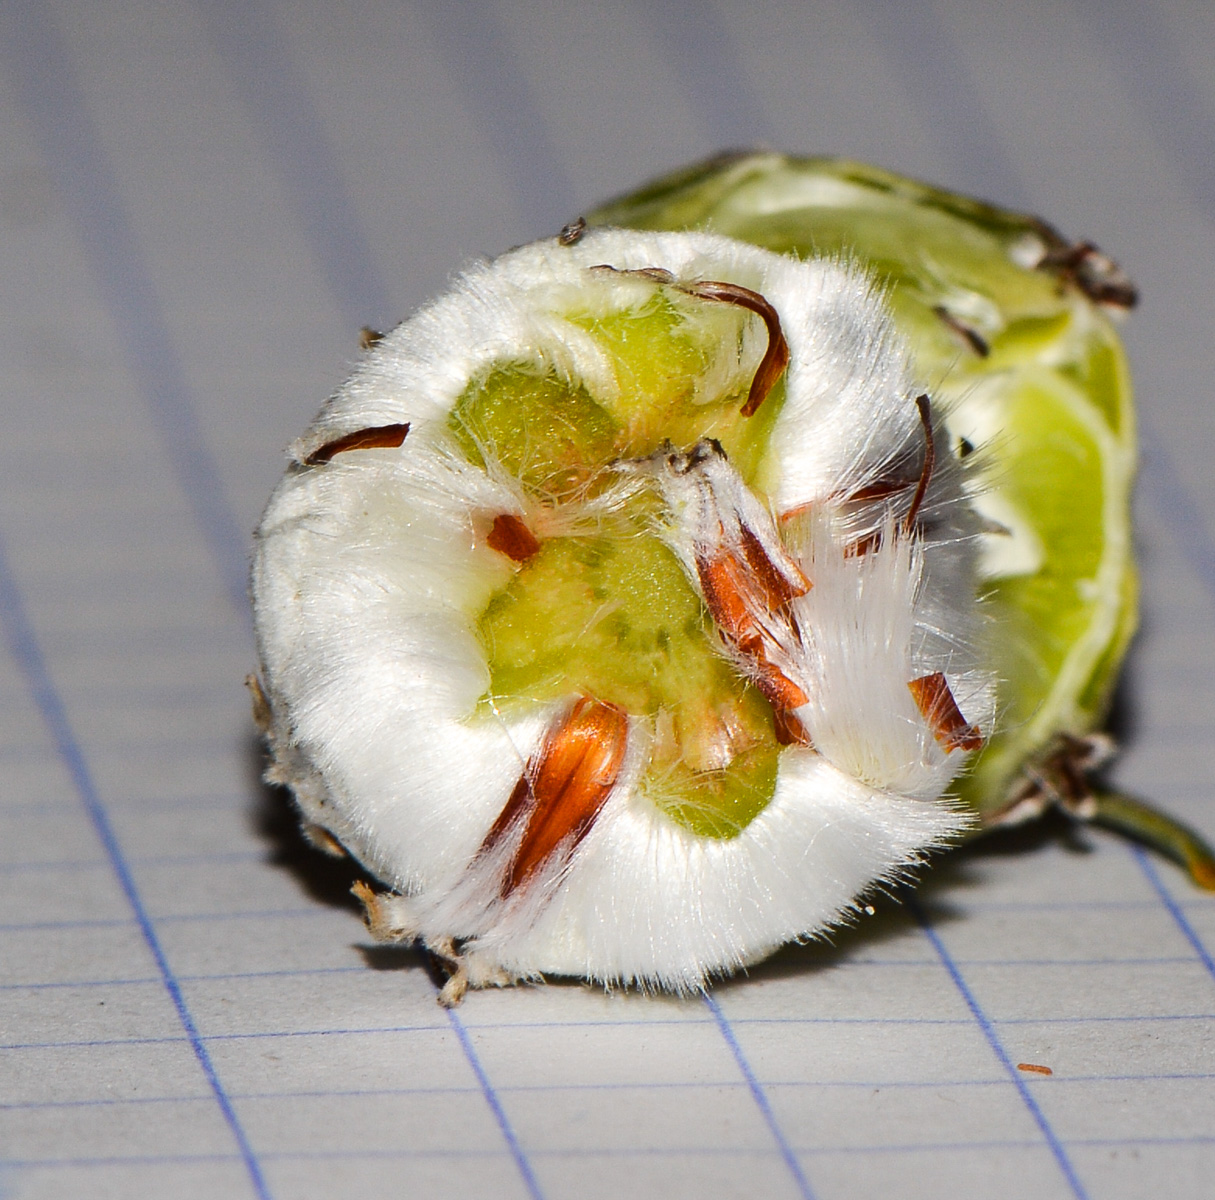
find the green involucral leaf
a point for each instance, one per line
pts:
(1048, 406)
(1047, 631)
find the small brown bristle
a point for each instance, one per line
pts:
(971, 336)
(776, 356)
(924, 405)
(263, 714)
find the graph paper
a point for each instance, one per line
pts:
(200, 204)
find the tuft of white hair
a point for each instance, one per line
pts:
(369, 577)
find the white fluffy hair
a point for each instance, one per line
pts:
(369, 579)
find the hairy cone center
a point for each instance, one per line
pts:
(607, 611)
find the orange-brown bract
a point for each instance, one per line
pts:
(558, 797)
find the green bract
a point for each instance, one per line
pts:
(1010, 326)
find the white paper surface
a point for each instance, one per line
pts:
(199, 206)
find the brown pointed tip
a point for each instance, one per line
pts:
(938, 707)
(369, 337)
(367, 898)
(381, 437)
(510, 536)
(323, 840)
(774, 685)
(968, 333)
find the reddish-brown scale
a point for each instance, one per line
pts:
(776, 356)
(382, 437)
(733, 591)
(726, 587)
(789, 730)
(510, 536)
(1036, 1068)
(562, 790)
(777, 588)
(938, 707)
(774, 685)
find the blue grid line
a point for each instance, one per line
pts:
(253, 914)
(921, 47)
(305, 972)
(566, 1025)
(1188, 931)
(495, 1104)
(275, 96)
(125, 749)
(82, 983)
(715, 1151)
(145, 860)
(1187, 526)
(94, 923)
(195, 638)
(62, 864)
(709, 1085)
(997, 1047)
(607, 1152)
(761, 1099)
(38, 61)
(23, 645)
(293, 914)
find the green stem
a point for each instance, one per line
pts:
(1162, 833)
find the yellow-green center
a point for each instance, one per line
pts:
(611, 613)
